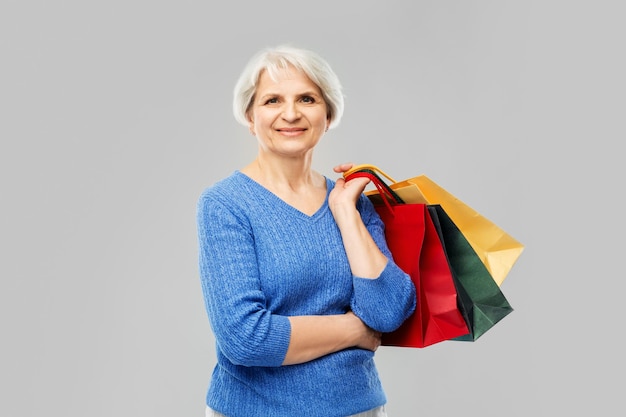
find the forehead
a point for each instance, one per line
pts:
(285, 78)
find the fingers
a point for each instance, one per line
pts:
(360, 180)
(369, 338)
(359, 183)
(377, 340)
(356, 184)
(343, 167)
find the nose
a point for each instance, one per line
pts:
(291, 112)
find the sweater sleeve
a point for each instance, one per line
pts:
(386, 302)
(247, 333)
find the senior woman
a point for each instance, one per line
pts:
(296, 275)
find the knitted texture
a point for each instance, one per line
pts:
(261, 261)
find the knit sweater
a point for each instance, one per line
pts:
(261, 260)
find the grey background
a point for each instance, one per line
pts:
(115, 115)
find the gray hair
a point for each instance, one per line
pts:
(274, 60)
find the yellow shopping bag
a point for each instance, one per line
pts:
(497, 249)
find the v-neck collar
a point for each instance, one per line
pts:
(273, 198)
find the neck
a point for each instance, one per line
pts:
(292, 174)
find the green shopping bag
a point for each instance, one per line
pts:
(481, 301)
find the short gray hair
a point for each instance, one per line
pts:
(279, 58)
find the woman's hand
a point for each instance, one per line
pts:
(346, 193)
(369, 339)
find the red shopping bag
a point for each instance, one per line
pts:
(416, 248)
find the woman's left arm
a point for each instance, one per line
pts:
(384, 295)
(365, 258)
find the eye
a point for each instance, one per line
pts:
(271, 100)
(308, 99)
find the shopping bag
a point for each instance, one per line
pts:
(497, 250)
(481, 300)
(417, 249)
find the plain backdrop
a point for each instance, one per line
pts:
(115, 115)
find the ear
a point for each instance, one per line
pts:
(250, 124)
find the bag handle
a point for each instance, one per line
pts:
(386, 193)
(369, 167)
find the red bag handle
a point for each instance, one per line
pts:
(386, 193)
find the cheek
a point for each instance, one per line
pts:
(257, 118)
(324, 120)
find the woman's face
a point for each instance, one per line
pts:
(288, 116)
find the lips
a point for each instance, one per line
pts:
(292, 129)
(293, 132)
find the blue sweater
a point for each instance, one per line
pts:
(261, 261)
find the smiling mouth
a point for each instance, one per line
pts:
(291, 129)
(291, 132)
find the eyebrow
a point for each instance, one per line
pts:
(305, 93)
